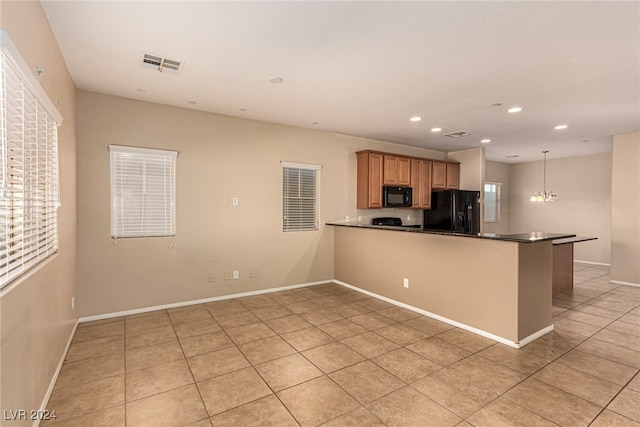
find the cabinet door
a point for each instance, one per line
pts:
(397, 170)
(421, 183)
(375, 180)
(369, 180)
(439, 175)
(403, 171)
(453, 176)
(390, 175)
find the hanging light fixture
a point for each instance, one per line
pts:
(544, 195)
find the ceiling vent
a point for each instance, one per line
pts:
(161, 64)
(458, 134)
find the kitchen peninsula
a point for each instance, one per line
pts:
(498, 286)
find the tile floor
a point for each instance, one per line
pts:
(327, 355)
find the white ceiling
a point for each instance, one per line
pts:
(364, 68)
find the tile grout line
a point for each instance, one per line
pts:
(573, 347)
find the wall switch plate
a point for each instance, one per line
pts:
(212, 277)
(235, 201)
(227, 275)
(236, 274)
(405, 282)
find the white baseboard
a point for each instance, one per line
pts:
(535, 336)
(446, 320)
(620, 282)
(604, 264)
(450, 321)
(198, 301)
(54, 379)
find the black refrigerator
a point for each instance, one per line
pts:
(457, 211)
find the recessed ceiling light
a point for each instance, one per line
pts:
(485, 141)
(415, 119)
(514, 110)
(560, 127)
(436, 129)
(276, 80)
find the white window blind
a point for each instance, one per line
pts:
(143, 190)
(300, 201)
(29, 193)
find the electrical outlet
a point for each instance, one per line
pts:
(405, 282)
(236, 274)
(235, 201)
(212, 278)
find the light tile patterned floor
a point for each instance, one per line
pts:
(327, 355)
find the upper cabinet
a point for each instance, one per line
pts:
(376, 169)
(439, 175)
(421, 183)
(445, 175)
(453, 175)
(397, 170)
(369, 180)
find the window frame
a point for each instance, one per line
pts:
(136, 212)
(498, 201)
(294, 205)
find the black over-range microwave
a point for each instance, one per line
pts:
(397, 197)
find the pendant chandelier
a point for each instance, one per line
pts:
(544, 195)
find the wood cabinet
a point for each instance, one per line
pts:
(453, 175)
(370, 171)
(397, 170)
(421, 183)
(439, 175)
(376, 169)
(445, 175)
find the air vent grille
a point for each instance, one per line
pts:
(458, 134)
(161, 64)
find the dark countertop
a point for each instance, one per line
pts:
(574, 239)
(535, 236)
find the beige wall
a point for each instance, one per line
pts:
(583, 185)
(36, 315)
(463, 279)
(625, 200)
(219, 157)
(471, 167)
(500, 172)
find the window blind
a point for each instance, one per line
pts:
(300, 201)
(142, 192)
(29, 191)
